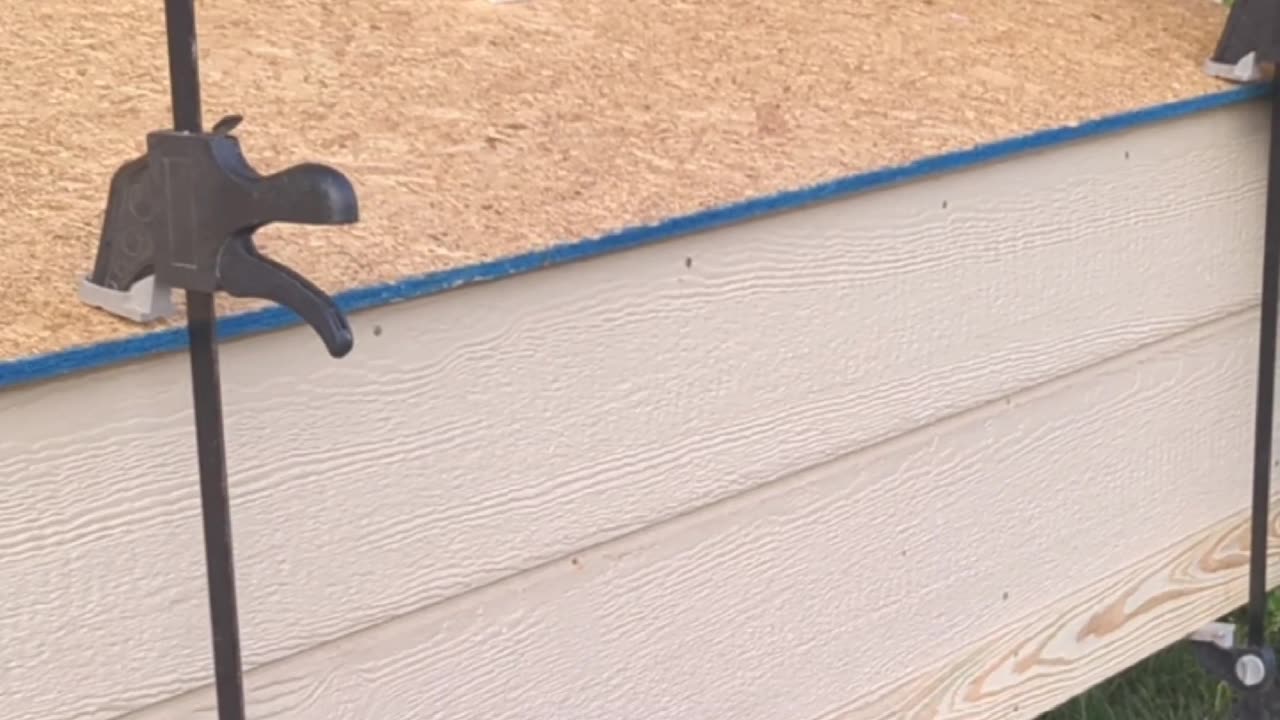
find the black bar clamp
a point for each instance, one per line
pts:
(183, 216)
(1247, 52)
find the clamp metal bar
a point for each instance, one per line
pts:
(215, 501)
(1247, 52)
(1265, 403)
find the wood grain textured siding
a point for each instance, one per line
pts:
(1000, 559)
(481, 433)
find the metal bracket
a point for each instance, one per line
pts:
(1245, 70)
(1221, 634)
(144, 301)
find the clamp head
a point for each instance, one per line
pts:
(1249, 46)
(1249, 671)
(183, 215)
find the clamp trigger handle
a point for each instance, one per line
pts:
(243, 271)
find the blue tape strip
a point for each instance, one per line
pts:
(88, 357)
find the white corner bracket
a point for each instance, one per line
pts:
(1222, 634)
(144, 301)
(1245, 70)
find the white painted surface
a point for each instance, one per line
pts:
(809, 597)
(503, 427)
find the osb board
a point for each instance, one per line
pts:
(475, 130)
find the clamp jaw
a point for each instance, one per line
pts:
(183, 216)
(1249, 45)
(1249, 671)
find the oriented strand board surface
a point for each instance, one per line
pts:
(475, 130)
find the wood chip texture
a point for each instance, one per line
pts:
(475, 130)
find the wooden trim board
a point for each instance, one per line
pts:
(509, 427)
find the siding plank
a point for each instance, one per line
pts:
(1001, 560)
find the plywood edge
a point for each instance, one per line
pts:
(78, 359)
(796, 598)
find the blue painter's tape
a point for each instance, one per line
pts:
(88, 357)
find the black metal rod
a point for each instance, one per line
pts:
(184, 84)
(1265, 404)
(184, 64)
(216, 502)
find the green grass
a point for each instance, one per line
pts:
(1167, 686)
